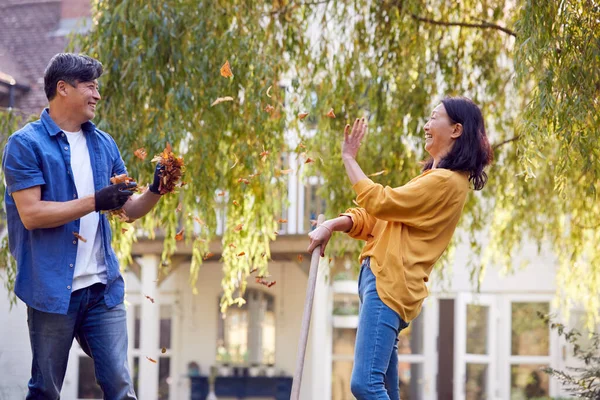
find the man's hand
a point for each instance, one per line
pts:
(154, 188)
(112, 197)
(352, 140)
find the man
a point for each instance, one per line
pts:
(58, 172)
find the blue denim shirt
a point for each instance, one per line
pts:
(39, 155)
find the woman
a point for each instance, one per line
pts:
(406, 229)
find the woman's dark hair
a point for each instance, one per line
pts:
(71, 68)
(471, 151)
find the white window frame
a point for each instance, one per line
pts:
(506, 359)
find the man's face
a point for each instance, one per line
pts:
(82, 99)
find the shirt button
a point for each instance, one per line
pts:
(68, 172)
(71, 265)
(63, 135)
(68, 287)
(74, 241)
(74, 195)
(67, 148)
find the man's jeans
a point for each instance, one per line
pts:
(375, 371)
(101, 332)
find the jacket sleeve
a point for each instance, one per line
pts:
(362, 223)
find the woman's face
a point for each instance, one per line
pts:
(440, 133)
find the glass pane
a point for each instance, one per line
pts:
(233, 346)
(530, 335)
(477, 325)
(340, 380)
(410, 340)
(476, 384)
(268, 338)
(136, 373)
(137, 315)
(345, 307)
(164, 377)
(343, 341)
(87, 387)
(165, 327)
(411, 380)
(528, 382)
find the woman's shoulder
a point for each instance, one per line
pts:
(446, 177)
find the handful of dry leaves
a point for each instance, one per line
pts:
(172, 171)
(123, 178)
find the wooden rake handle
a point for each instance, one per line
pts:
(308, 303)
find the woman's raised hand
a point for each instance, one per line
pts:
(353, 139)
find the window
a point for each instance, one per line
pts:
(87, 387)
(164, 361)
(411, 360)
(343, 360)
(246, 335)
(530, 350)
(313, 204)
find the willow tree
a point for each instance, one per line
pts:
(532, 66)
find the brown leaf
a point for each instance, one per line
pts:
(241, 254)
(263, 254)
(123, 230)
(276, 233)
(226, 70)
(238, 227)
(233, 246)
(221, 193)
(198, 220)
(149, 298)
(179, 207)
(253, 270)
(163, 350)
(78, 236)
(123, 178)
(140, 153)
(151, 359)
(246, 181)
(300, 257)
(220, 100)
(302, 146)
(172, 170)
(263, 155)
(378, 173)
(207, 256)
(269, 108)
(179, 235)
(282, 221)
(302, 115)
(235, 203)
(331, 114)
(309, 160)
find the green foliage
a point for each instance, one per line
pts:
(533, 67)
(583, 381)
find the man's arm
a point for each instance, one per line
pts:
(138, 206)
(38, 214)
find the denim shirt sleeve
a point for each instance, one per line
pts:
(118, 166)
(21, 165)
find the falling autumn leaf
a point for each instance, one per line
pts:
(269, 108)
(241, 254)
(263, 254)
(140, 153)
(198, 220)
(309, 160)
(246, 181)
(300, 257)
(179, 207)
(330, 260)
(263, 155)
(378, 173)
(221, 193)
(235, 203)
(235, 163)
(331, 114)
(282, 221)
(302, 146)
(254, 175)
(269, 91)
(233, 246)
(151, 359)
(226, 70)
(179, 235)
(285, 171)
(253, 270)
(276, 233)
(123, 230)
(149, 298)
(302, 115)
(122, 178)
(163, 350)
(78, 236)
(238, 227)
(259, 279)
(221, 100)
(207, 256)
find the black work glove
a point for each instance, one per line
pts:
(157, 175)
(112, 197)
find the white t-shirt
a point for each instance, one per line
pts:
(90, 267)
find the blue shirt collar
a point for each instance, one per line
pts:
(53, 129)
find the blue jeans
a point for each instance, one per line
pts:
(102, 334)
(375, 370)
